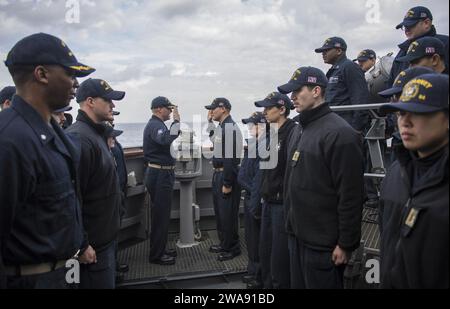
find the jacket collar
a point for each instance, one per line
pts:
(405, 45)
(44, 133)
(338, 64)
(97, 127)
(227, 120)
(406, 158)
(32, 117)
(157, 118)
(312, 115)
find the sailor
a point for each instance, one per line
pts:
(226, 190)
(394, 94)
(414, 219)
(274, 238)
(119, 158)
(401, 80)
(366, 60)
(418, 23)
(325, 208)
(6, 96)
(250, 180)
(428, 52)
(346, 82)
(160, 176)
(99, 183)
(60, 115)
(40, 216)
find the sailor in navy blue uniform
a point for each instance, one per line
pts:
(346, 82)
(274, 248)
(366, 60)
(414, 208)
(160, 176)
(6, 96)
(99, 183)
(417, 23)
(40, 216)
(428, 52)
(228, 143)
(250, 178)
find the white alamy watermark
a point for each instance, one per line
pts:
(226, 142)
(73, 11)
(373, 14)
(373, 271)
(73, 271)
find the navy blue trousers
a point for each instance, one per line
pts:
(101, 275)
(159, 184)
(265, 246)
(314, 269)
(280, 250)
(226, 209)
(252, 233)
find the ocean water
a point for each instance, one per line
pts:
(133, 133)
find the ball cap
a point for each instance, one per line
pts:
(425, 94)
(330, 43)
(7, 93)
(414, 15)
(162, 102)
(41, 49)
(304, 76)
(255, 118)
(402, 79)
(423, 47)
(366, 55)
(219, 102)
(98, 88)
(275, 99)
(63, 110)
(111, 132)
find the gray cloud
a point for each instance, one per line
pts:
(193, 51)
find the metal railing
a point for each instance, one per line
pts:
(375, 134)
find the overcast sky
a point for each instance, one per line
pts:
(195, 50)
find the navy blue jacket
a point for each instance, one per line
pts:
(122, 173)
(272, 186)
(227, 153)
(325, 185)
(158, 141)
(99, 184)
(119, 157)
(40, 216)
(414, 222)
(397, 66)
(250, 177)
(347, 86)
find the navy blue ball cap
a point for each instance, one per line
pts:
(162, 102)
(276, 99)
(414, 15)
(425, 94)
(219, 102)
(41, 49)
(402, 79)
(304, 76)
(7, 93)
(98, 88)
(111, 132)
(330, 43)
(365, 55)
(255, 118)
(63, 110)
(423, 47)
